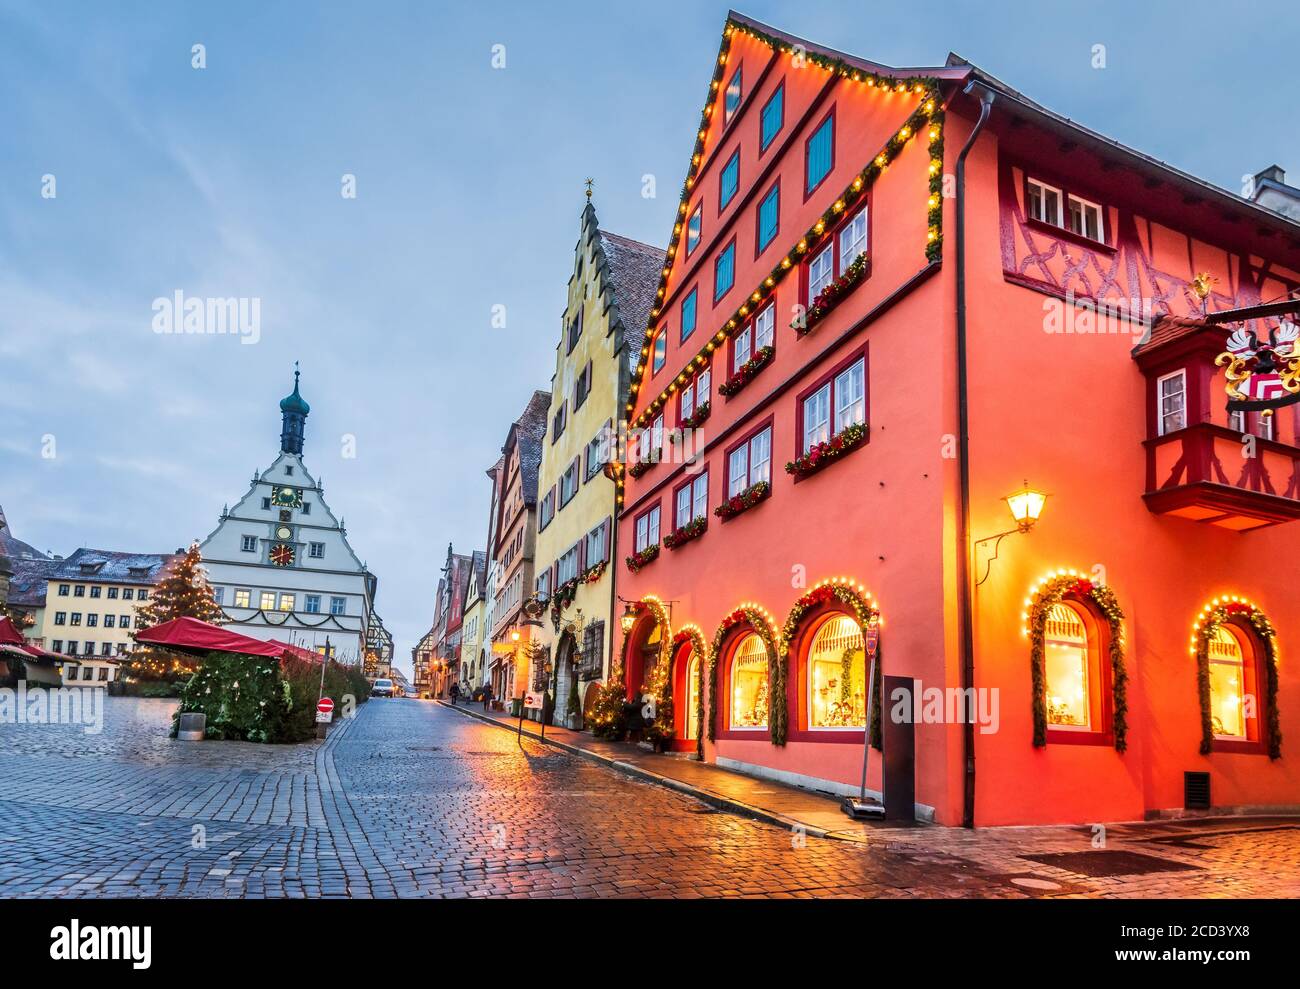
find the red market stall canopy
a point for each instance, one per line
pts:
(9, 635)
(305, 654)
(193, 636)
(13, 644)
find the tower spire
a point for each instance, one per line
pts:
(293, 410)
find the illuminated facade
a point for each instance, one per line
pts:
(825, 435)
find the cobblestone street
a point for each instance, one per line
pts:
(412, 799)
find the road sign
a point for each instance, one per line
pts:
(325, 711)
(533, 698)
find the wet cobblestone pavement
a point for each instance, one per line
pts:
(411, 799)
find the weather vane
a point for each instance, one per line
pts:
(590, 183)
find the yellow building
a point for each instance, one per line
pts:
(610, 291)
(91, 600)
(475, 645)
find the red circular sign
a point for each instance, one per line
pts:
(325, 706)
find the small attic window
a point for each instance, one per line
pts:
(288, 470)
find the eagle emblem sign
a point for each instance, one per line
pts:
(1262, 376)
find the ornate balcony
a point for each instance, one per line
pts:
(1199, 473)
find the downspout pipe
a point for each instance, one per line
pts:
(966, 600)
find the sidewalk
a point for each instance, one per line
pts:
(765, 800)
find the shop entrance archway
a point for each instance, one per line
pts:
(568, 698)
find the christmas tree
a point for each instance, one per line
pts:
(183, 592)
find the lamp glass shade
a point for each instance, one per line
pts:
(1026, 505)
(628, 619)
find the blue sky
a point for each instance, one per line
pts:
(226, 182)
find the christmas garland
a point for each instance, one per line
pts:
(831, 296)
(660, 682)
(848, 438)
(748, 371)
(744, 501)
(693, 529)
(644, 558)
(1050, 591)
(693, 635)
(865, 613)
(1206, 625)
(928, 117)
(761, 623)
(643, 464)
(698, 417)
(593, 573)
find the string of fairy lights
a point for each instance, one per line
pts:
(926, 119)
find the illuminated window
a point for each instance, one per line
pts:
(286, 602)
(242, 597)
(1227, 684)
(837, 676)
(1065, 650)
(693, 697)
(268, 601)
(749, 684)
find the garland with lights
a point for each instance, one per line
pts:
(831, 296)
(865, 612)
(848, 438)
(699, 416)
(748, 371)
(760, 622)
(1049, 592)
(928, 116)
(643, 464)
(593, 573)
(693, 635)
(1215, 615)
(682, 535)
(642, 559)
(659, 684)
(744, 501)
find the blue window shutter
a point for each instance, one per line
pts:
(768, 212)
(730, 180)
(724, 271)
(819, 153)
(773, 119)
(688, 314)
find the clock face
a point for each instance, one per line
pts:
(282, 554)
(290, 497)
(283, 532)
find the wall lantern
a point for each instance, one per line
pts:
(629, 617)
(1026, 505)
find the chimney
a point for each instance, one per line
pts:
(1269, 189)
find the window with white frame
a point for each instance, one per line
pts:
(750, 463)
(850, 396)
(1264, 427)
(568, 566)
(568, 484)
(853, 239)
(287, 602)
(1085, 218)
(311, 604)
(1043, 202)
(248, 544)
(696, 393)
(657, 433)
(647, 529)
(316, 550)
(817, 417)
(821, 272)
(757, 334)
(267, 602)
(596, 544)
(243, 597)
(692, 501)
(338, 605)
(749, 687)
(1171, 392)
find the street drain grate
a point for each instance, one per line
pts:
(1103, 864)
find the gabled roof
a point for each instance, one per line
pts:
(632, 275)
(15, 549)
(109, 567)
(528, 431)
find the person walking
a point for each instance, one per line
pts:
(455, 692)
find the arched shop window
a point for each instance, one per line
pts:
(1231, 682)
(693, 696)
(837, 676)
(749, 692)
(1067, 662)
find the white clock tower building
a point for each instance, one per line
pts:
(279, 561)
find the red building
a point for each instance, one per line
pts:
(863, 381)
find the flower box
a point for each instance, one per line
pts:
(691, 530)
(698, 417)
(593, 573)
(642, 559)
(748, 371)
(850, 438)
(639, 467)
(832, 295)
(744, 501)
